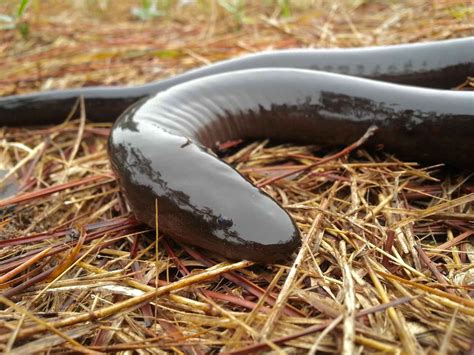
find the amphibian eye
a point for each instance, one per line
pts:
(224, 222)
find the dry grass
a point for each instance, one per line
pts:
(387, 259)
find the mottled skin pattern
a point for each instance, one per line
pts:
(159, 148)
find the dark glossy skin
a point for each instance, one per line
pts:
(442, 64)
(159, 148)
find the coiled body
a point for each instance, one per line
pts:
(159, 147)
(442, 64)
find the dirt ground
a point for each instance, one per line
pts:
(388, 264)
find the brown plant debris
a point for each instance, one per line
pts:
(387, 257)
